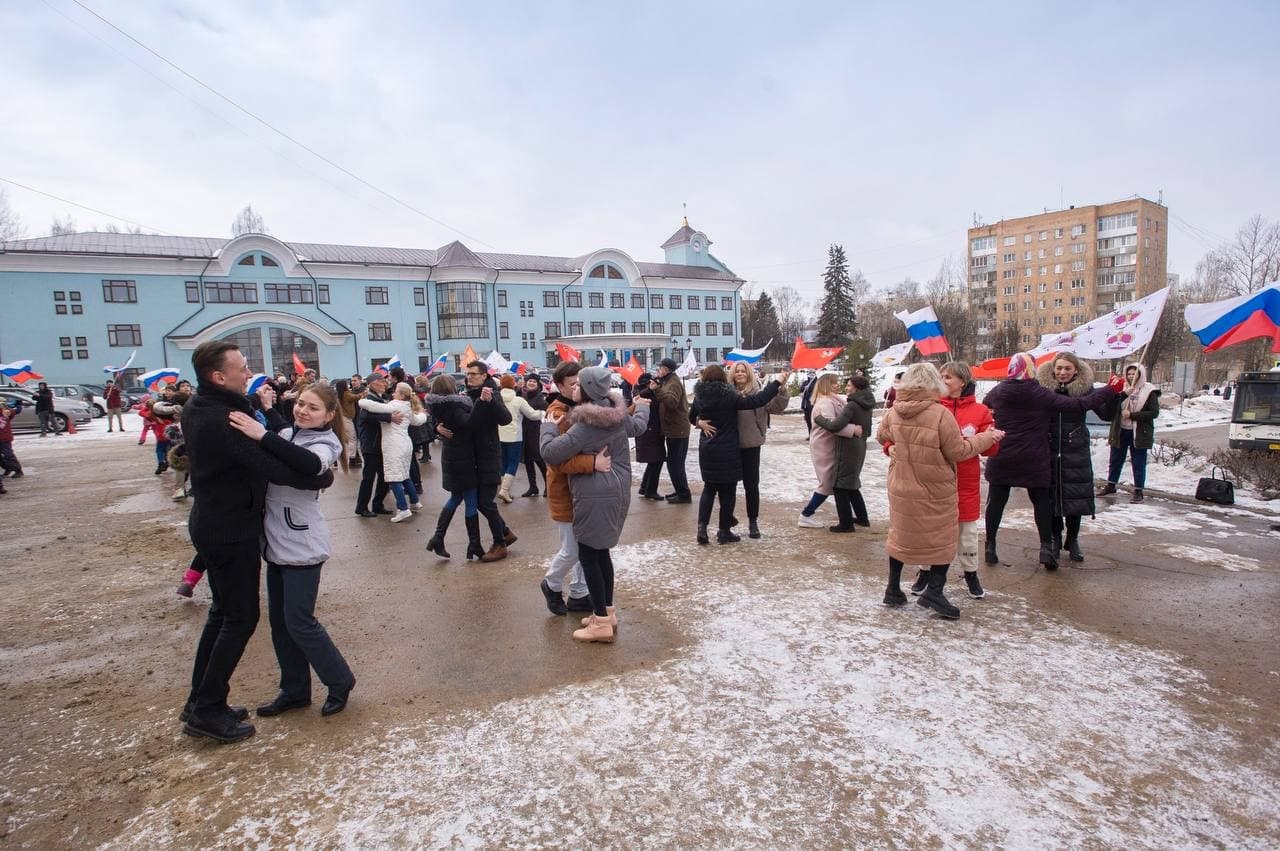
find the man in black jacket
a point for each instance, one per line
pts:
(44, 410)
(489, 413)
(369, 432)
(229, 475)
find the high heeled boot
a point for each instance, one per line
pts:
(475, 549)
(436, 543)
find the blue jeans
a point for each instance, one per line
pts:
(467, 498)
(1136, 455)
(402, 490)
(510, 458)
(162, 451)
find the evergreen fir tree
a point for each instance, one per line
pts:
(760, 325)
(857, 358)
(837, 322)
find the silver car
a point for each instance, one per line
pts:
(63, 410)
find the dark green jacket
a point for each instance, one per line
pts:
(1144, 420)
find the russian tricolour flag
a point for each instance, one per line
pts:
(386, 368)
(438, 363)
(19, 371)
(748, 355)
(153, 379)
(255, 382)
(925, 330)
(1224, 323)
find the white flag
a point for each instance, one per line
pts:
(1113, 335)
(689, 367)
(892, 356)
(496, 362)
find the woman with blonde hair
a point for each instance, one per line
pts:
(927, 444)
(397, 447)
(753, 428)
(828, 403)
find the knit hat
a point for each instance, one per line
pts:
(595, 381)
(507, 381)
(1022, 366)
(668, 363)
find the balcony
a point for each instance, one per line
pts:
(1114, 252)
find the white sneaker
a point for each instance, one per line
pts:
(180, 493)
(401, 515)
(811, 522)
(416, 507)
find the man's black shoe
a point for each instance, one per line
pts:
(555, 603)
(364, 512)
(282, 704)
(580, 604)
(224, 729)
(676, 499)
(378, 509)
(336, 701)
(655, 496)
(237, 712)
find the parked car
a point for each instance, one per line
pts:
(64, 409)
(96, 403)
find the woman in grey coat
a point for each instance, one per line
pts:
(600, 499)
(851, 454)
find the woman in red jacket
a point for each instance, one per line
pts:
(973, 417)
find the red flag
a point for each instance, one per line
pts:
(298, 366)
(807, 358)
(631, 371)
(566, 352)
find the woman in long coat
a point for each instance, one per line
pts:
(397, 447)
(822, 446)
(651, 447)
(1070, 452)
(532, 435)
(715, 411)
(600, 499)
(923, 503)
(458, 476)
(851, 453)
(753, 429)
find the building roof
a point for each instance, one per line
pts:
(453, 254)
(680, 237)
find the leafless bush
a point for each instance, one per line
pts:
(1171, 452)
(1259, 469)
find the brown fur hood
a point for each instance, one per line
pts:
(1081, 385)
(600, 415)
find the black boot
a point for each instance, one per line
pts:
(702, 534)
(933, 598)
(893, 595)
(921, 583)
(991, 556)
(1057, 542)
(1137, 496)
(753, 528)
(1048, 556)
(726, 536)
(1107, 489)
(1072, 545)
(436, 544)
(475, 549)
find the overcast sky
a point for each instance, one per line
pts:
(559, 128)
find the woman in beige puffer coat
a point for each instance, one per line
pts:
(926, 444)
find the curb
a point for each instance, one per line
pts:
(1187, 500)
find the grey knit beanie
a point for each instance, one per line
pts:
(596, 381)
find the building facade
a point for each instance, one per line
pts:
(74, 304)
(1049, 273)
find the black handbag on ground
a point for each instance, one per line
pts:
(1213, 489)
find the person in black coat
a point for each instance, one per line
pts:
(488, 413)
(531, 434)
(229, 475)
(1071, 461)
(651, 448)
(715, 412)
(369, 433)
(1023, 409)
(451, 411)
(44, 410)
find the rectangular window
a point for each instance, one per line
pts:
(81, 341)
(1009, 273)
(66, 354)
(1044, 234)
(695, 329)
(573, 298)
(618, 301)
(637, 327)
(1077, 283)
(124, 335)
(1026, 255)
(1009, 258)
(550, 329)
(709, 302)
(655, 301)
(676, 302)
(1010, 240)
(419, 297)
(229, 292)
(60, 309)
(82, 354)
(1008, 290)
(575, 328)
(462, 310)
(376, 295)
(712, 355)
(420, 329)
(1057, 252)
(1026, 273)
(726, 329)
(193, 292)
(1026, 238)
(1057, 233)
(1121, 220)
(657, 327)
(502, 298)
(596, 300)
(504, 330)
(287, 293)
(1057, 302)
(1077, 230)
(695, 303)
(1077, 265)
(597, 327)
(618, 327)
(59, 295)
(984, 242)
(64, 341)
(1057, 268)
(77, 309)
(677, 329)
(1057, 320)
(526, 306)
(379, 330)
(1044, 270)
(637, 301)
(550, 298)
(322, 292)
(120, 291)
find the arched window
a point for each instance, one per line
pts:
(606, 270)
(247, 260)
(267, 260)
(250, 342)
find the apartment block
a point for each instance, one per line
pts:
(1051, 272)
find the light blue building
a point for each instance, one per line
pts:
(76, 303)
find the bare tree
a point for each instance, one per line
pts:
(860, 287)
(247, 221)
(11, 226)
(793, 314)
(65, 225)
(878, 326)
(946, 294)
(1251, 260)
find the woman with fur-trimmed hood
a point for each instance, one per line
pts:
(1070, 452)
(1133, 428)
(600, 499)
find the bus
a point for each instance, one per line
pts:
(1255, 416)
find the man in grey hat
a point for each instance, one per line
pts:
(673, 409)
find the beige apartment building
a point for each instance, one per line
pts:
(1040, 274)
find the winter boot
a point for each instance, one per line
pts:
(1073, 549)
(555, 602)
(753, 528)
(1057, 542)
(532, 491)
(436, 544)
(504, 490)
(932, 598)
(991, 556)
(893, 595)
(496, 553)
(1048, 555)
(475, 549)
(921, 583)
(702, 534)
(726, 536)
(975, 587)
(1107, 489)
(596, 629)
(1137, 496)
(612, 616)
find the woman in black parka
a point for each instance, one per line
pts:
(1070, 451)
(651, 448)
(715, 412)
(531, 434)
(458, 474)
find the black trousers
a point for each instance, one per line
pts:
(1041, 503)
(533, 462)
(234, 571)
(597, 570)
(751, 479)
(487, 504)
(849, 505)
(300, 641)
(371, 482)
(677, 451)
(8, 460)
(649, 481)
(1072, 523)
(728, 495)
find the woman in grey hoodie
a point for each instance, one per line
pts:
(297, 546)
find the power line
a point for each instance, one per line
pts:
(281, 133)
(83, 206)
